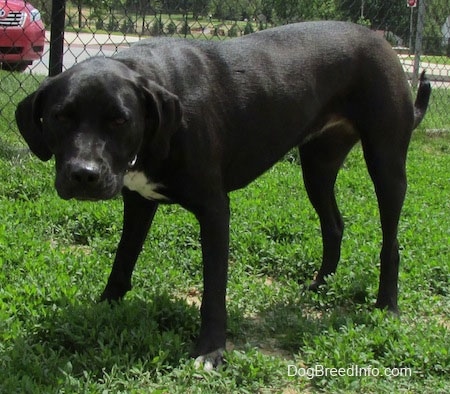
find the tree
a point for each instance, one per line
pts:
(382, 14)
(436, 14)
(301, 10)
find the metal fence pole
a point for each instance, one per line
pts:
(57, 37)
(418, 45)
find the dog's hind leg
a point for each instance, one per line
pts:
(321, 159)
(386, 165)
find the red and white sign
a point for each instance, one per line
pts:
(411, 3)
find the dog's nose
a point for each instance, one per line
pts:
(85, 173)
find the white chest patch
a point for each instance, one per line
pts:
(138, 182)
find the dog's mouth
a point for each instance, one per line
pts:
(104, 190)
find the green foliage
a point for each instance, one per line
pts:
(294, 10)
(233, 31)
(127, 26)
(171, 28)
(248, 29)
(185, 29)
(157, 28)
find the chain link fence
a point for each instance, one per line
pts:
(46, 36)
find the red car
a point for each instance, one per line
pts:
(22, 34)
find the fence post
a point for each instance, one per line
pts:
(57, 37)
(418, 45)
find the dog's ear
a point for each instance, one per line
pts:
(28, 119)
(165, 115)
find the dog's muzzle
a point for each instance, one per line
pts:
(87, 180)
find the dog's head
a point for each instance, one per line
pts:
(98, 119)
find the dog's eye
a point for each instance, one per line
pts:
(119, 121)
(60, 114)
(62, 117)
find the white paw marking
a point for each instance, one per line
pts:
(209, 361)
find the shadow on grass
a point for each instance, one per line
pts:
(89, 340)
(289, 327)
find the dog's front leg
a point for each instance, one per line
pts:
(137, 218)
(214, 219)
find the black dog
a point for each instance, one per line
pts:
(184, 121)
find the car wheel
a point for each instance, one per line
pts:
(15, 66)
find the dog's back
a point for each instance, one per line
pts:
(280, 85)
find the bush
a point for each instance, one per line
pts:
(113, 25)
(171, 28)
(127, 27)
(234, 30)
(99, 24)
(185, 29)
(248, 29)
(157, 28)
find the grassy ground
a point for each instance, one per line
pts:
(443, 60)
(55, 257)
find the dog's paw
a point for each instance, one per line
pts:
(114, 293)
(209, 361)
(317, 283)
(314, 285)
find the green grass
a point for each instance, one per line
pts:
(437, 118)
(443, 60)
(55, 257)
(14, 87)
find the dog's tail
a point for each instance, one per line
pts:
(422, 98)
